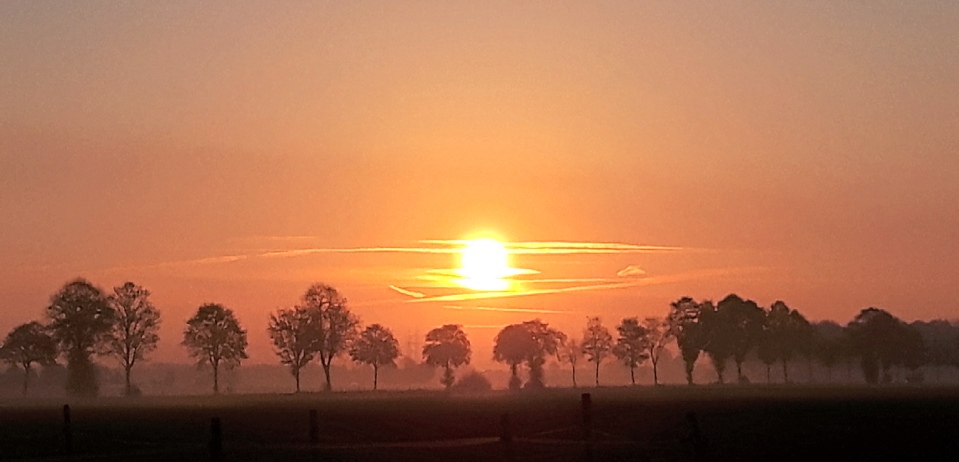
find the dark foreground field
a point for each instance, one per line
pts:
(734, 423)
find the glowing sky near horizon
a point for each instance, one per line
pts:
(236, 152)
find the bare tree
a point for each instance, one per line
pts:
(335, 325)
(597, 343)
(135, 331)
(447, 347)
(81, 321)
(632, 345)
(27, 344)
(571, 352)
(377, 347)
(213, 336)
(295, 338)
(658, 335)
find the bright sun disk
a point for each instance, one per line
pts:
(484, 265)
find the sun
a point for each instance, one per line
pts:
(484, 265)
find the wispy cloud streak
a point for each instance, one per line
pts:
(505, 310)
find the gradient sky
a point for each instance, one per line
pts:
(804, 151)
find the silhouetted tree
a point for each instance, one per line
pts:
(530, 342)
(881, 341)
(720, 333)
(632, 345)
(377, 347)
(597, 343)
(81, 321)
(827, 345)
(789, 332)
(658, 335)
(941, 339)
(685, 324)
(335, 325)
(745, 320)
(135, 332)
(447, 347)
(295, 337)
(26, 345)
(768, 348)
(571, 352)
(512, 346)
(213, 336)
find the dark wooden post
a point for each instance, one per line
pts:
(67, 430)
(697, 441)
(506, 437)
(216, 440)
(314, 427)
(587, 405)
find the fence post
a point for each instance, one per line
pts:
(216, 440)
(506, 437)
(314, 427)
(67, 431)
(697, 441)
(587, 406)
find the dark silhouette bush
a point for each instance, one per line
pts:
(473, 382)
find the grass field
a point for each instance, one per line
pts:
(734, 423)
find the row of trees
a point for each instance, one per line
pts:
(83, 322)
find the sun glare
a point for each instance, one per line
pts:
(484, 265)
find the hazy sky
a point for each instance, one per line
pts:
(805, 151)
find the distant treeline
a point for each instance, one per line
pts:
(83, 322)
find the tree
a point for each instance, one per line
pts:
(512, 346)
(377, 347)
(27, 344)
(768, 348)
(941, 339)
(81, 322)
(720, 338)
(295, 338)
(686, 327)
(883, 341)
(335, 325)
(447, 347)
(597, 343)
(744, 319)
(827, 345)
(530, 342)
(789, 332)
(632, 345)
(214, 337)
(135, 331)
(571, 352)
(658, 336)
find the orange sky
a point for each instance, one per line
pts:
(803, 151)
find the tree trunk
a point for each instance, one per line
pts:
(785, 371)
(296, 375)
(216, 379)
(376, 373)
(328, 386)
(129, 387)
(689, 371)
(26, 378)
(655, 373)
(597, 373)
(574, 374)
(632, 375)
(769, 378)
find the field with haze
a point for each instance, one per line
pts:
(731, 423)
